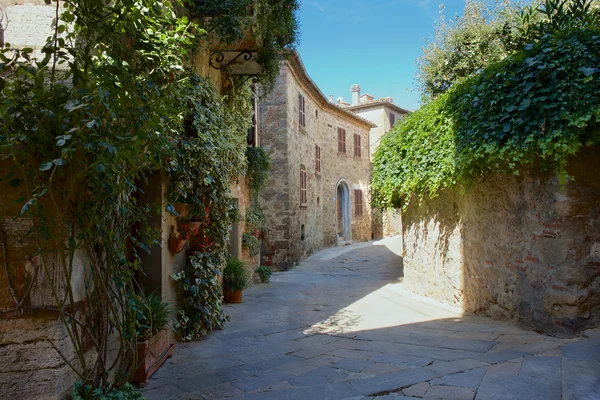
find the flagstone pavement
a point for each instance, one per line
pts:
(341, 326)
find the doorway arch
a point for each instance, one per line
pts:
(342, 201)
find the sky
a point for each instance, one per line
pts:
(374, 43)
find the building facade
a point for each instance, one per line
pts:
(384, 114)
(318, 190)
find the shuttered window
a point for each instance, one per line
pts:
(317, 159)
(341, 140)
(358, 203)
(392, 119)
(301, 111)
(356, 145)
(302, 186)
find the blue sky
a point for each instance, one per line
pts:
(374, 43)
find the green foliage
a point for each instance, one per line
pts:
(483, 35)
(259, 165)
(264, 273)
(417, 156)
(250, 242)
(82, 126)
(273, 23)
(152, 314)
(112, 100)
(201, 307)
(234, 275)
(88, 392)
(489, 32)
(535, 108)
(207, 155)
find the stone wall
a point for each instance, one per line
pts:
(291, 147)
(520, 248)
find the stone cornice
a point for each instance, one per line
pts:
(293, 60)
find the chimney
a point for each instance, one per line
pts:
(355, 89)
(331, 98)
(340, 100)
(389, 100)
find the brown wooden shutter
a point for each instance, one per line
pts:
(358, 202)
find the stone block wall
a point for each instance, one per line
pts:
(521, 248)
(291, 147)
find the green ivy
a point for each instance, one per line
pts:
(537, 107)
(201, 309)
(273, 23)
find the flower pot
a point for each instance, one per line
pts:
(183, 209)
(176, 245)
(188, 228)
(235, 296)
(152, 354)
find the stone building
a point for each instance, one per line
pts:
(318, 190)
(384, 113)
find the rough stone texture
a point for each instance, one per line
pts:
(341, 326)
(290, 148)
(521, 248)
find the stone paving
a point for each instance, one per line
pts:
(340, 326)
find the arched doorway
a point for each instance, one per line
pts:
(342, 200)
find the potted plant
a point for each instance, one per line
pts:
(235, 280)
(154, 341)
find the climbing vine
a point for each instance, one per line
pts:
(209, 154)
(257, 175)
(536, 108)
(110, 99)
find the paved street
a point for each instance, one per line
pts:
(340, 326)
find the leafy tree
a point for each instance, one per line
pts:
(488, 33)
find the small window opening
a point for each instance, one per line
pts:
(302, 236)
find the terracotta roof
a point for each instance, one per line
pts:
(296, 62)
(376, 103)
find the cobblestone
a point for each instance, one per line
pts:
(337, 327)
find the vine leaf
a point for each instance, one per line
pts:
(45, 166)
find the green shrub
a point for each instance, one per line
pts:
(235, 276)
(87, 392)
(201, 308)
(534, 109)
(152, 314)
(264, 273)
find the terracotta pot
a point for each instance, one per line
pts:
(235, 296)
(176, 245)
(183, 209)
(152, 354)
(188, 228)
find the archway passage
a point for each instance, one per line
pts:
(342, 199)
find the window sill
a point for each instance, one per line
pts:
(318, 174)
(302, 129)
(303, 205)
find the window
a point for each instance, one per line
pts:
(317, 158)
(357, 145)
(358, 202)
(341, 140)
(301, 111)
(302, 186)
(392, 119)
